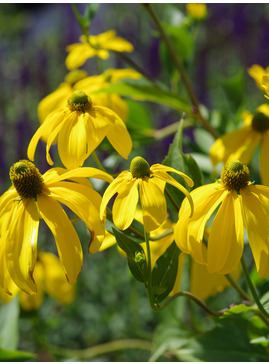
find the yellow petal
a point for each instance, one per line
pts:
(255, 202)
(118, 44)
(79, 53)
(226, 237)
(85, 203)
(21, 244)
(159, 167)
(96, 129)
(67, 241)
(181, 228)
(108, 241)
(206, 200)
(55, 283)
(257, 73)
(264, 171)
(153, 204)
(52, 174)
(72, 141)
(48, 126)
(112, 189)
(56, 176)
(237, 144)
(125, 204)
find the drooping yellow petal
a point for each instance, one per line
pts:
(112, 189)
(181, 228)
(67, 241)
(21, 244)
(264, 170)
(255, 209)
(125, 204)
(85, 203)
(206, 200)
(155, 168)
(52, 175)
(119, 44)
(7, 198)
(257, 72)
(55, 282)
(119, 137)
(226, 238)
(90, 172)
(72, 142)
(159, 173)
(153, 204)
(47, 127)
(108, 241)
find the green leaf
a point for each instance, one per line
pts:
(8, 355)
(183, 163)
(165, 272)
(237, 309)
(227, 342)
(144, 91)
(132, 249)
(9, 332)
(91, 11)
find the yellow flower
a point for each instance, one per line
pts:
(196, 11)
(33, 197)
(77, 80)
(241, 205)
(57, 99)
(241, 143)
(79, 128)
(96, 45)
(257, 72)
(49, 277)
(92, 84)
(145, 182)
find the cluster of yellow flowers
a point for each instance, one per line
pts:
(78, 116)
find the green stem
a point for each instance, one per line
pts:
(181, 70)
(172, 200)
(253, 290)
(236, 286)
(149, 281)
(103, 348)
(97, 161)
(160, 236)
(193, 298)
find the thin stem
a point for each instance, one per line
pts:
(104, 348)
(97, 161)
(236, 286)
(149, 282)
(253, 290)
(129, 61)
(172, 200)
(193, 298)
(160, 236)
(180, 68)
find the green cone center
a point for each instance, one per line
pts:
(79, 101)
(26, 178)
(139, 167)
(235, 175)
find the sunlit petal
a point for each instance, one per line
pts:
(153, 204)
(255, 211)
(226, 238)
(78, 55)
(125, 204)
(67, 241)
(85, 203)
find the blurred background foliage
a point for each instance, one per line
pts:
(110, 305)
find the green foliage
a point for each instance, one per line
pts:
(165, 272)
(9, 316)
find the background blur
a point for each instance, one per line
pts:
(109, 304)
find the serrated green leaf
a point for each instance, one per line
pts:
(165, 272)
(144, 91)
(237, 309)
